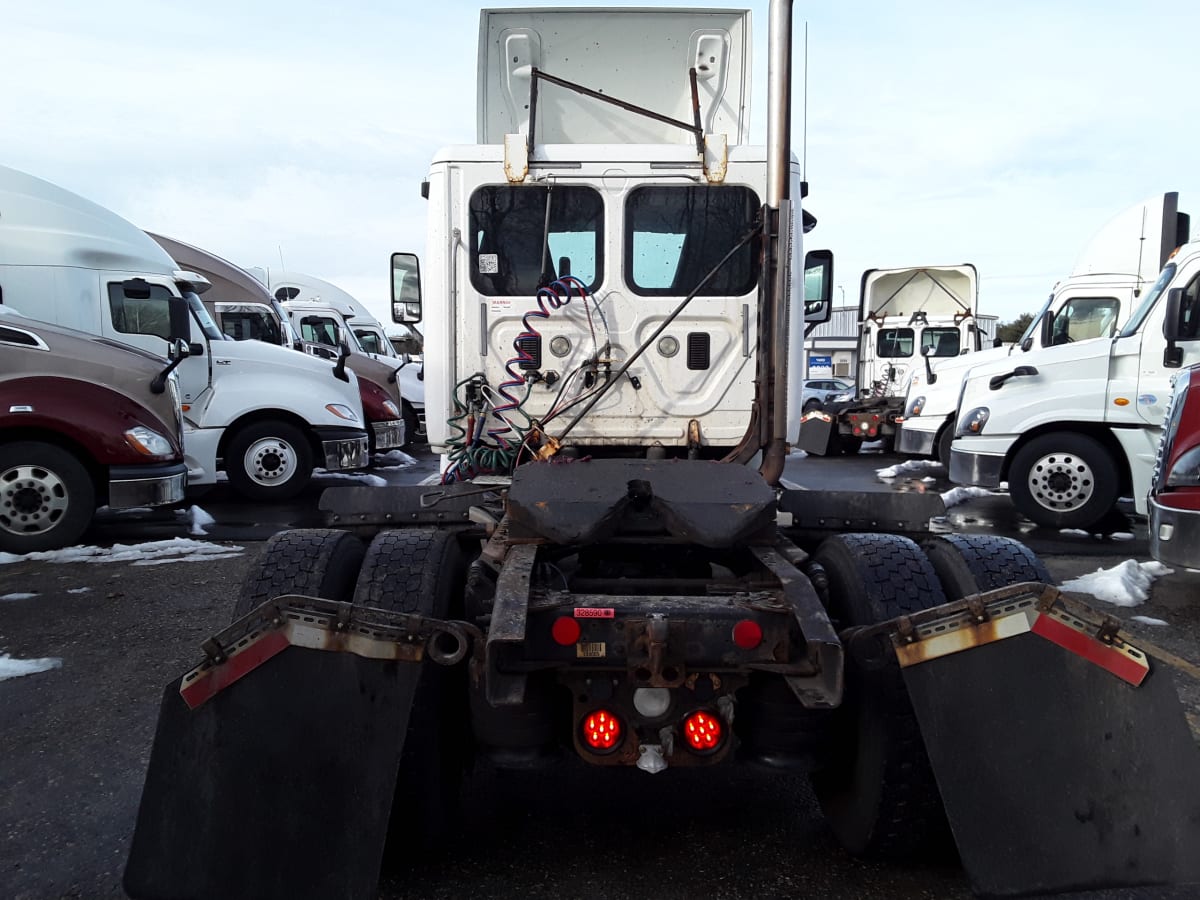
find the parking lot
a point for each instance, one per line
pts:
(75, 739)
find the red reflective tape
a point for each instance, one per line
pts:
(1092, 649)
(596, 612)
(242, 663)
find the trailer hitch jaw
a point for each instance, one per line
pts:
(294, 620)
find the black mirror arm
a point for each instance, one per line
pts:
(339, 370)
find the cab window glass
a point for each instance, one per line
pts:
(516, 248)
(676, 234)
(319, 330)
(369, 341)
(944, 341)
(142, 309)
(1190, 311)
(894, 342)
(1083, 318)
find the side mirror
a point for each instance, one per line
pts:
(406, 288)
(339, 369)
(179, 319)
(818, 286)
(927, 350)
(1173, 328)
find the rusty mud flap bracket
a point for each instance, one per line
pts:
(282, 748)
(1060, 749)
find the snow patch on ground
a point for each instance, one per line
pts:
(15, 668)
(19, 596)
(958, 495)
(1150, 620)
(199, 520)
(82, 590)
(1122, 536)
(927, 479)
(1076, 531)
(1125, 584)
(909, 467)
(173, 550)
(372, 480)
(396, 459)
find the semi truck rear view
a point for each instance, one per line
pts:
(611, 569)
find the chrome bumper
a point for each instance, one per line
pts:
(387, 435)
(1174, 535)
(982, 469)
(133, 486)
(346, 453)
(914, 443)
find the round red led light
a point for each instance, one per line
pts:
(702, 731)
(747, 634)
(565, 631)
(601, 730)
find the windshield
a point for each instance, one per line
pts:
(944, 341)
(372, 342)
(1033, 323)
(1147, 304)
(894, 343)
(200, 314)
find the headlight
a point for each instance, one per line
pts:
(972, 422)
(151, 443)
(342, 412)
(840, 398)
(392, 409)
(1186, 471)
(914, 408)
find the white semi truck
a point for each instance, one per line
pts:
(324, 314)
(906, 318)
(242, 309)
(1074, 427)
(613, 571)
(263, 415)
(1119, 262)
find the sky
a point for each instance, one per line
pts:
(297, 134)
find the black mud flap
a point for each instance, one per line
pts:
(1061, 752)
(818, 434)
(279, 786)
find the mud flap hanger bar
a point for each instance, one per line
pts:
(293, 620)
(979, 619)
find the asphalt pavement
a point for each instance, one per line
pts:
(74, 741)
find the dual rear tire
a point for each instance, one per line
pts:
(877, 789)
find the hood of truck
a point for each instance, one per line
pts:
(1071, 381)
(641, 56)
(34, 349)
(936, 291)
(372, 369)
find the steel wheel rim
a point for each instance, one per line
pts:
(1061, 482)
(270, 462)
(33, 500)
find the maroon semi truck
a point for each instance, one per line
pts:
(1174, 502)
(84, 423)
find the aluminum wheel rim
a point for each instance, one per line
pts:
(270, 461)
(33, 500)
(1061, 481)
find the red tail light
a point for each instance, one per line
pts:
(747, 634)
(565, 631)
(601, 730)
(703, 731)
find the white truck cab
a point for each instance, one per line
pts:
(1119, 262)
(324, 315)
(599, 279)
(1076, 426)
(262, 414)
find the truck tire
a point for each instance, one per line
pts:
(970, 563)
(1064, 480)
(412, 425)
(945, 440)
(268, 461)
(847, 446)
(422, 570)
(877, 788)
(47, 498)
(316, 562)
